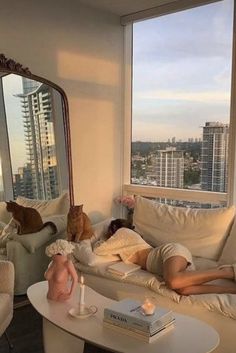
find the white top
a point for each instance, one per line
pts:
(188, 335)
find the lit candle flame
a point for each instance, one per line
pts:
(148, 307)
(82, 279)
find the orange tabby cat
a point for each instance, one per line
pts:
(27, 219)
(78, 224)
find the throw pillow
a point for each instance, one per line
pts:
(33, 241)
(83, 252)
(6, 233)
(228, 255)
(202, 231)
(46, 208)
(5, 216)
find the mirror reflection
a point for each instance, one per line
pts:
(34, 170)
(32, 142)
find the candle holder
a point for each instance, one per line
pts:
(82, 312)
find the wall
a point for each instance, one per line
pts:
(81, 50)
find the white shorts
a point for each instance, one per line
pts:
(159, 255)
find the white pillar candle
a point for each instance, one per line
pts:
(81, 293)
(148, 307)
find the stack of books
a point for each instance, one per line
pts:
(122, 270)
(126, 316)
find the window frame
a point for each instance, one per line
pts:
(173, 193)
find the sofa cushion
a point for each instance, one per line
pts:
(228, 255)
(5, 216)
(202, 231)
(46, 208)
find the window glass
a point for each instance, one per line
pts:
(181, 98)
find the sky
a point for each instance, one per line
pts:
(181, 77)
(12, 84)
(182, 72)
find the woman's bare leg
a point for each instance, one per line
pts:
(192, 282)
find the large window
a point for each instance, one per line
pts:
(181, 93)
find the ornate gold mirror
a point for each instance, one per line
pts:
(35, 167)
(35, 149)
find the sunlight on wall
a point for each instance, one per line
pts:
(96, 162)
(88, 68)
(95, 118)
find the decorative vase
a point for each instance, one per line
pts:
(58, 274)
(129, 216)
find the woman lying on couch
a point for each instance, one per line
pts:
(172, 261)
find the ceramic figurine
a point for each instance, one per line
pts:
(60, 271)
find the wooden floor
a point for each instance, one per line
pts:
(25, 332)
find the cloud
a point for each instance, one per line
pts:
(206, 97)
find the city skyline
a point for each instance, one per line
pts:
(193, 165)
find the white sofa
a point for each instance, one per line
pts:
(27, 252)
(6, 294)
(211, 237)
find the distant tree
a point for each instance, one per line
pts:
(191, 177)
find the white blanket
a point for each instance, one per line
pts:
(125, 242)
(224, 304)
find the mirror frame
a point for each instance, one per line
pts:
(10, 66)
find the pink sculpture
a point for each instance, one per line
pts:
(60, 271)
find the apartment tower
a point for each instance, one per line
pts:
(38, 113)
(214, 164)
(167, 168)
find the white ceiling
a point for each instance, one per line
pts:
(124, 7)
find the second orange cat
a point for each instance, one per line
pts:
(79, 226)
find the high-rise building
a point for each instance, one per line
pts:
(214, 165)
(167, 168)
(38, 117)
(22, 182)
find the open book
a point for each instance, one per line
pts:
(122, 269)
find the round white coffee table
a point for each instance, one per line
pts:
(63, 333)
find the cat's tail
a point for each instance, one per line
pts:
(51, 224)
